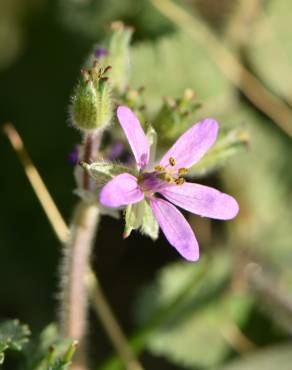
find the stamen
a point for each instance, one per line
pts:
(159, 168)
(172, 161)
(180, 181)
(182, 171)
(168, 178)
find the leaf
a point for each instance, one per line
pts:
(184, 342)
(276, 357)
(173, 64)
(63, 362)
(191, 316)
(264, 221)
(50, 351)
(13, 336)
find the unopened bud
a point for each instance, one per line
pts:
(118, 55)
(91, 108)
(175, 116)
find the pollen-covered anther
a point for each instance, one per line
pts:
(172, 161)
(180, 181)
(168, 178)
(159, 168)
(182, 171)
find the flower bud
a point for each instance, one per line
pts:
(175, 116)
(91, 108)
(118, 55)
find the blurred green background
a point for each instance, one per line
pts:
(243, 302)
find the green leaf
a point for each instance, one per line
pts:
(276, 357)
(184, 342)
(173, 64)
(264, 169)
(13, 336)
(192, 316)
(50, 351)
(62, 362)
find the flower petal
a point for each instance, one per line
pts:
(192, 145)
(175, 228)
(202, 200)
(135, 135)
(120, 191)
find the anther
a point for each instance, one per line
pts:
(182, 171)
(172, 161)
(168, 178)
(159, 168)
(180, 181)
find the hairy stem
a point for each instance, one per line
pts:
(55, 218)
(74, 297)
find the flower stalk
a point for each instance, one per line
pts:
(74, 295)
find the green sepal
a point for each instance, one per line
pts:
(149, 225)
(13, 336)
(140, 216)
(134, 215)
(103, 171)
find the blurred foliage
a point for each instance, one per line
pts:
(270, 50)
(204, 313)
(12, 33)
(13, 336)
(174, 64)
(49, 352)
(93, 17)
(276, 357)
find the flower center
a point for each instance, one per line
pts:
(152, 182)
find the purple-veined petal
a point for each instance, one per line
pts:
(202, 200)
(175, 228)
(135, 135)
(192, 145)
(120, 191)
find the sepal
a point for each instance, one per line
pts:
(103, 171)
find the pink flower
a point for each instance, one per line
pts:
(166, 179)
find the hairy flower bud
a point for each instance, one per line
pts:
(118, 55)
(175, 115)
(91, 108)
